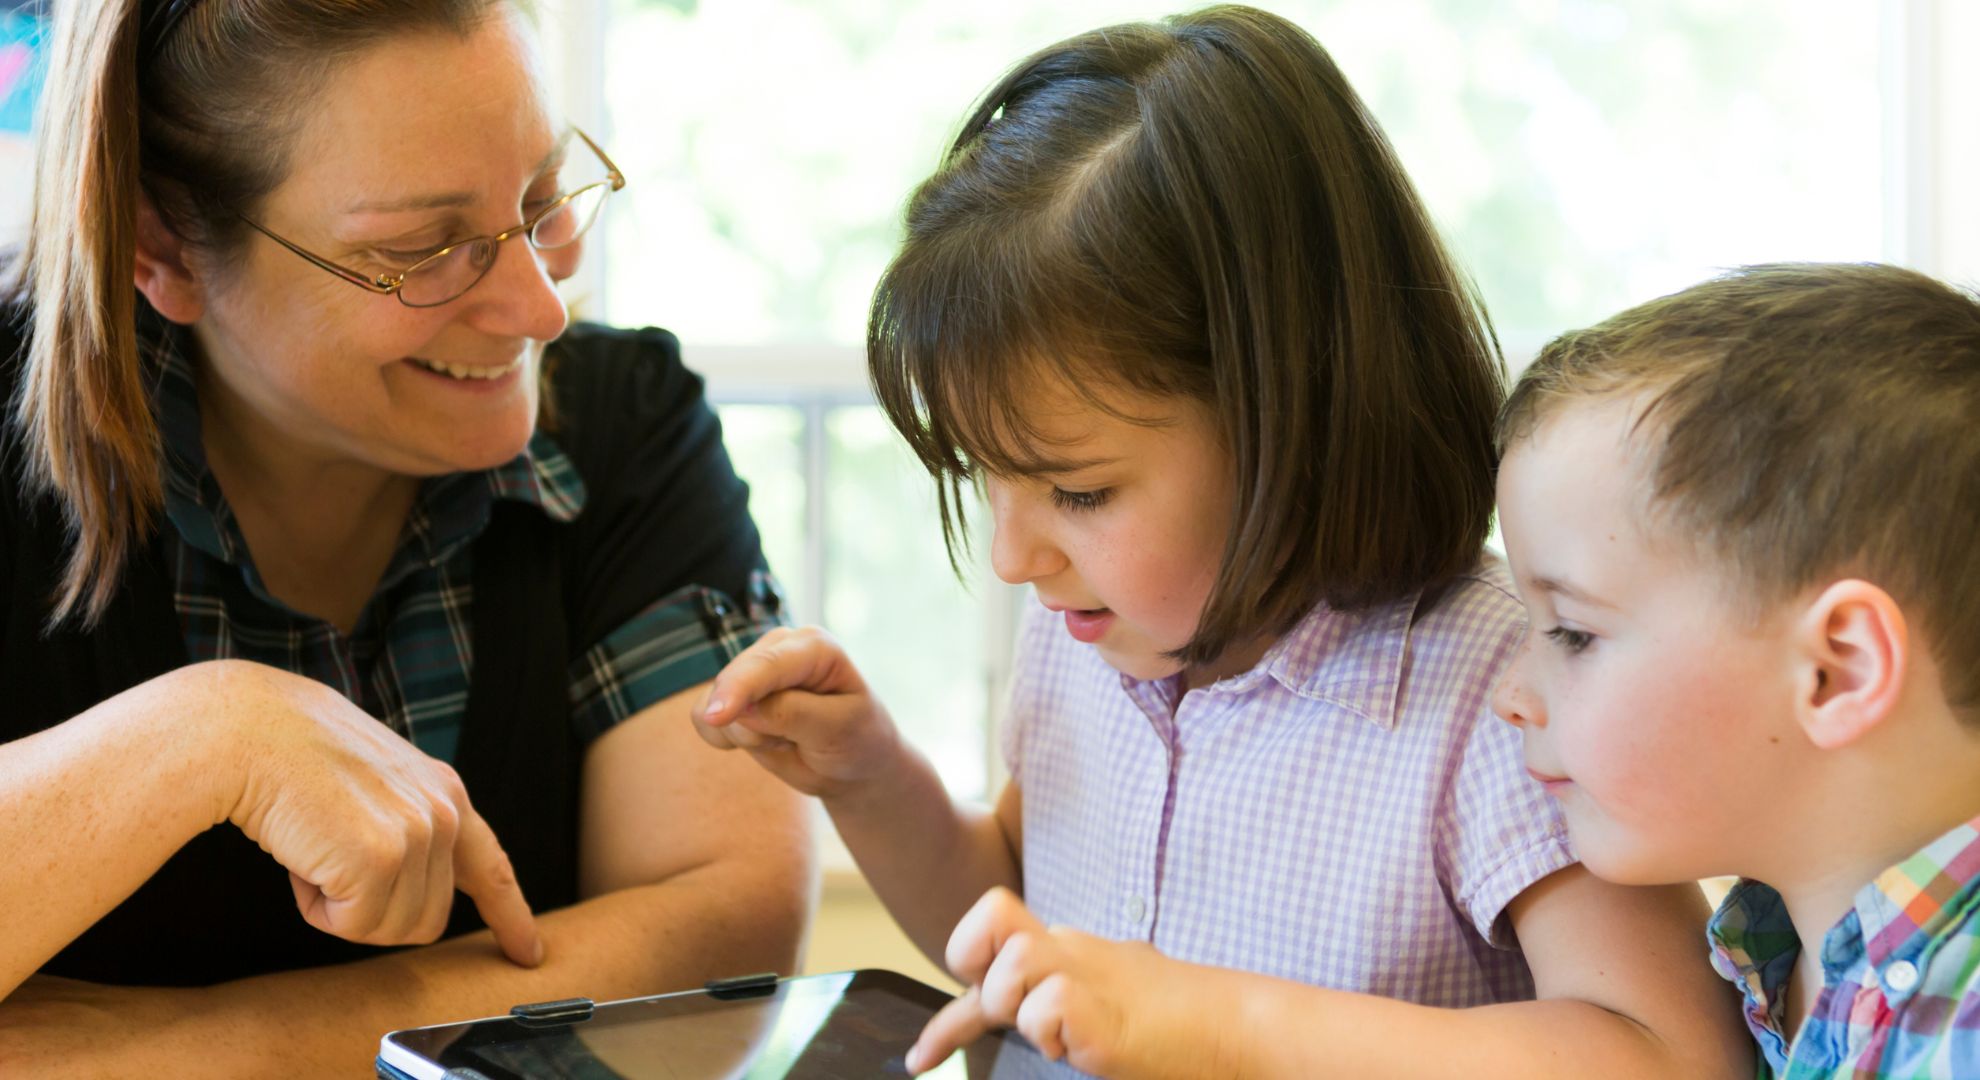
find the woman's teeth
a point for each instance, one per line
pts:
(459, 372)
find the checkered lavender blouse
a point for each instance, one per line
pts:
(1347, 814)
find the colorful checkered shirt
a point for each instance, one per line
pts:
(409, 658)
(1900, 973)
(1348, 813)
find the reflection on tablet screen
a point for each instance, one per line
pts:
(824, 1027)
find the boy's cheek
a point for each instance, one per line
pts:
(1613, 850)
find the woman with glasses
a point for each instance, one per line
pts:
(353, 600)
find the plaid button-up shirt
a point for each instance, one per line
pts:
(409, 658)
(1900, 973)
(1348, 813)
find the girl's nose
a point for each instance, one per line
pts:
(1019, 551)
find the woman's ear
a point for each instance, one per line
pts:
(1855, 651)
(163, 273)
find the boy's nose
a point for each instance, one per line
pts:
(1513, 699)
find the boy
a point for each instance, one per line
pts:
(1745, 523)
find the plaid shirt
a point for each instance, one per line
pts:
(1348, 813)
(1900, 973)
(409, 658)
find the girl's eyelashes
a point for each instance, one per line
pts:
(1081, 500)
(1573, 641)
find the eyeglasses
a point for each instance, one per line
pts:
(454, 269)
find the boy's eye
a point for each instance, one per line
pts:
(1081, 500)
(1573, 641)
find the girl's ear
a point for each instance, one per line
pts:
(1855, 653)
(163, 274)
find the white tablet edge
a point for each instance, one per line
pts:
(407, 1062)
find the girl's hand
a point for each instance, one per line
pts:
(797, 704)
(376, 835)
(1103, 1006)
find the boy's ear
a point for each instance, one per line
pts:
(164, 275)
(1856, 650)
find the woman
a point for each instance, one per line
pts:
(314, 540)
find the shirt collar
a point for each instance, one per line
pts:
(1352, 660)
(1911, 904)
(449, 512)
(1899, 916)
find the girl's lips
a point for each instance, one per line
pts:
(1089, 626)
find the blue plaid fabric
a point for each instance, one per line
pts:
(1900, 973)
(409, 658)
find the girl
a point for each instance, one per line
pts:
(1172, 302)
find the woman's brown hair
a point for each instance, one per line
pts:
(195, 114)
(1204, 208)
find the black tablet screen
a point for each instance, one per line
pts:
(825, 1027)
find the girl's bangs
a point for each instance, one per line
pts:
(965, 331)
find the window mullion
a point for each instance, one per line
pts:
(817, 511)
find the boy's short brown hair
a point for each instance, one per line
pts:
(1815, 421)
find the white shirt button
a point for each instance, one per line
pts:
(1901, 976)
(1137, 910)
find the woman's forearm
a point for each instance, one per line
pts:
(927, 856)
(710, 922)
(91, 808)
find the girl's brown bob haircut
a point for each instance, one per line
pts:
(1203, 208)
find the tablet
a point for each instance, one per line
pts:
(851, 1024)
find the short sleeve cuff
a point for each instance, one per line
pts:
(681, 640)
(1514, 874)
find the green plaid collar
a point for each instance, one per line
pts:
(448, 513)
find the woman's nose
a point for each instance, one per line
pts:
(518, 297)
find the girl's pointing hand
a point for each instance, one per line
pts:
(797, 704)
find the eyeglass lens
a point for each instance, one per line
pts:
(442, 279)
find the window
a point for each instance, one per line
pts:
(1581, 154)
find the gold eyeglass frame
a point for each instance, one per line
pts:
(390, 284)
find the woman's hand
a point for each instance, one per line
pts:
(797, 704)
(375, 834)
(1106, 1007)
